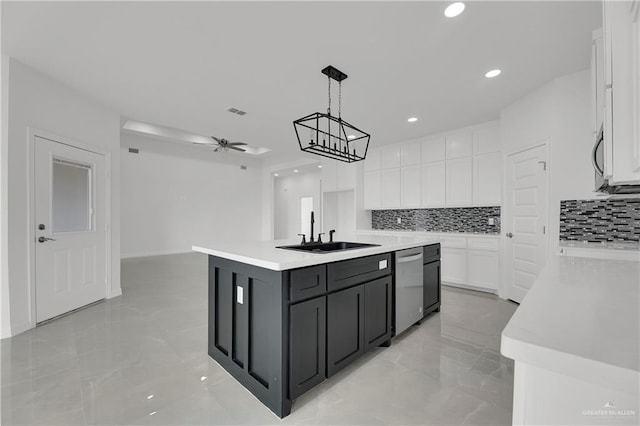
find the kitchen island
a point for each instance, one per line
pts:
(282, 321)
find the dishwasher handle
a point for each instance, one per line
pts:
(409, 258)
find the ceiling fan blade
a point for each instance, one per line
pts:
(237, 149)
(236, 143)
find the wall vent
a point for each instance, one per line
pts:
(236, 111)
(134, 150)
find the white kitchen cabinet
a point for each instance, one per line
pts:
(390, 156)
(459, 182)
(487, 179)
(411, 186)
(483, 269)
(410, 153)
(454, 265)
(459, 144)
(433, 149)
(329, 175)
(486, 140)
(433, 184)
(372, 162)
(390, 181)
(338, 175)
(597, 82)
(372, 190)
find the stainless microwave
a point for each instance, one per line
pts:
(602, 183)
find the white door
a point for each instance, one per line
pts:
(70, 255)
(525, 219)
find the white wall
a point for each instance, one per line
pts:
(38, 102)
(559, 111)
(176, 195)
(5, 307)
(287, 193)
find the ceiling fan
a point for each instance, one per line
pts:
(225, 145)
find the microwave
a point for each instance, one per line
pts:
(602, 183)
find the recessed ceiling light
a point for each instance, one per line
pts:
(203, 378)
(150, 396)
(454, 9)
(275, 174)
(319, 166)
(351, 136)
(296, 171)
(412, 119)
(493, 73)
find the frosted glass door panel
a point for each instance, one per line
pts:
(70, 197)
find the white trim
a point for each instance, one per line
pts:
(20, 328)
(116, 293)
(32, 133)
(155, 253)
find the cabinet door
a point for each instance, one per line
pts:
(329, 175)
(454, 265)
(410, 153)
(345, 328)
(431, 278)
(459, 178)
(459, 145)
(390, 156)
(372, 190)
(390, 188)
(487, 179)
(372, 162)
(433, 184)
(410, 187)
(486, 140)
(307, 345)
(346, 175)
(433, 150)
(483, 269)
(377, 312)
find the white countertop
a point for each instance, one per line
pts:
(265, 254)
(581, 318)
(606, 245)
(428, 233)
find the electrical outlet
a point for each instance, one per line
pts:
(492, 221)
(399, 220)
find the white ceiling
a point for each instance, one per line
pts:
(183, 64)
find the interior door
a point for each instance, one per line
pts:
(70, 254)
(525, 219)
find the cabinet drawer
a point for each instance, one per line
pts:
(356, 271)
(483, 243)
(431, 253)
(453, 242)
(307, 282)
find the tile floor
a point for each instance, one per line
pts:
(141, 359)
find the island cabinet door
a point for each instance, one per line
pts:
(308, 336)
(377, 312)
(345, 328)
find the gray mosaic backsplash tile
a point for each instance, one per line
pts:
(614, 220)
(459, 219)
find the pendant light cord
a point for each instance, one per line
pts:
(329, 109)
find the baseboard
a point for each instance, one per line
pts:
(155, 253)
(17, 329)
(470, 287)
(115, 293)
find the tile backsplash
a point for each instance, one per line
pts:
(613, 220)
(459, 219)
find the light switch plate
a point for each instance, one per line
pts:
(240, 295)
(382, 264)
(399, 220)
(492, 221)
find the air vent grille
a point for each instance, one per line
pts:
(236, 111)
(134, 150)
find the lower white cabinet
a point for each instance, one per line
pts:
(454, 265)
(459, 182)
(410, 187)
(433, 184)
(483, 269)
(372, 190)
(390, 188)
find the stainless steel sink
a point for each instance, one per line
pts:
(327, 247)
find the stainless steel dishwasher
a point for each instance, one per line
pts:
(409, 288)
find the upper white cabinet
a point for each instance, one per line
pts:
(372, 190)
(433, 149)
(390, 156)
(597, 82)
(372, 162)
(390, 188)
(487, 179)
(486, 140)
(459, 145)
(459, 182)
(433, 184)
(410, 153)
(410, 187)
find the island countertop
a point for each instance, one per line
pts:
(581, 318)
(265, 254)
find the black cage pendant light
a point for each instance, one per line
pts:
(330, 136)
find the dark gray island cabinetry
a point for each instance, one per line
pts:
(281, 332)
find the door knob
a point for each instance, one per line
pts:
(510, 234)
(45, 239)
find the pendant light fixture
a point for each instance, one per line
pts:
(331, 136)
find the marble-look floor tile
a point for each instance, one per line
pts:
(142, 359)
